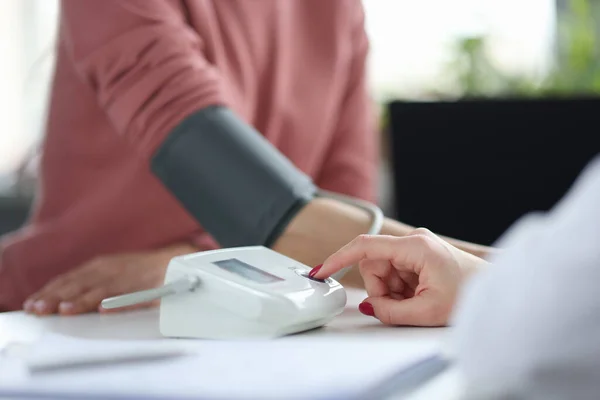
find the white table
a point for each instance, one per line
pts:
(143, 324)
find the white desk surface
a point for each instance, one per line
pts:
(136, 325)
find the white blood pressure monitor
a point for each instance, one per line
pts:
(238, 293)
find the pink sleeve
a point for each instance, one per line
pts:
(351, 163)
(143, 61)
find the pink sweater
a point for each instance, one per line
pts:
(129, 70)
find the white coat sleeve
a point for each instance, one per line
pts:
(529, 326)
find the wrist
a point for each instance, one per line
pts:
(330, 214)
(321, 228)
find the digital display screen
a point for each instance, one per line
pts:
(247, 271)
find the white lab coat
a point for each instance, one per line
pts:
(529, 326)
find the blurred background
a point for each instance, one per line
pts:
(487, 108)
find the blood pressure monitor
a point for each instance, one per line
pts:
(238, 293)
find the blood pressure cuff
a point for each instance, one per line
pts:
(235, 183)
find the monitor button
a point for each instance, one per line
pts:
(304, 274)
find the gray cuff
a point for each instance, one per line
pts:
(235, 183)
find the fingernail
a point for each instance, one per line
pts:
(366, 308)
(314, 271)
(28, 305)
(39, 306)
(65, 307)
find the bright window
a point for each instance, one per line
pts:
(411, 40)
(27, 31)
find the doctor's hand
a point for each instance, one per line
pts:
(82, 289)
(411, 280)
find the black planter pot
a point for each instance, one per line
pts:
(470, 168)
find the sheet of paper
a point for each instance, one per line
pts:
(55, 352)
(290, 368)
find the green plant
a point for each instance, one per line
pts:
(579, 69)
(575, 71)
(476, 75)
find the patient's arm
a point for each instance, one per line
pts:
(324, 226)
(317, 231)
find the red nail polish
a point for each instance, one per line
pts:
(366, 308)
(314, 271)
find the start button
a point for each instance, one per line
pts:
(304, 274)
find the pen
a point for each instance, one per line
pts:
(77, 361)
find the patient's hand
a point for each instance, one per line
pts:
(82, 289)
